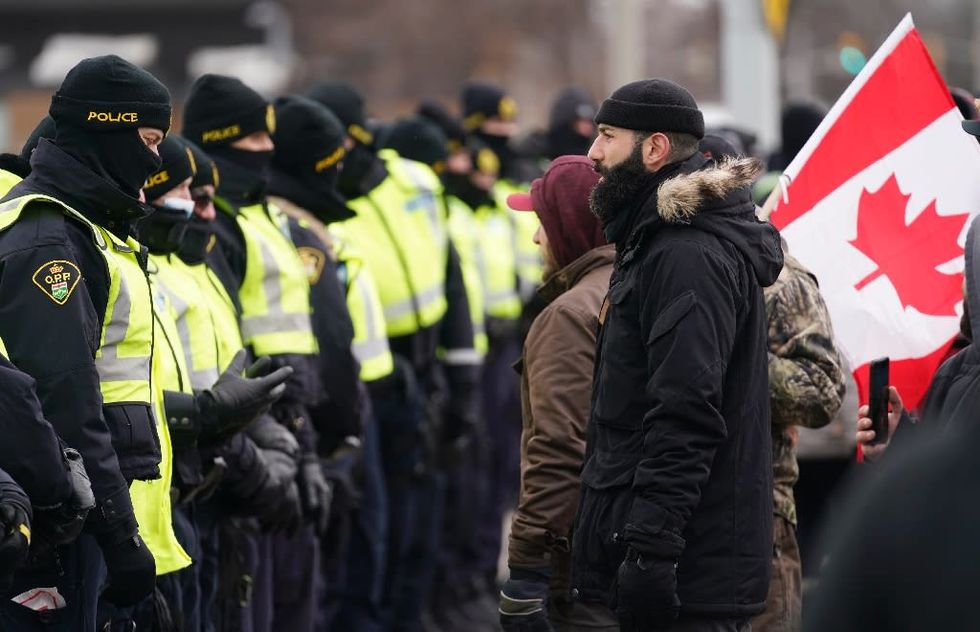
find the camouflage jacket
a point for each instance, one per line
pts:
(806, 376)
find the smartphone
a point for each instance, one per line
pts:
(878, 400)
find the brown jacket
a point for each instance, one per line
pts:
(556, 389)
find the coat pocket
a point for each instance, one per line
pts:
(615, 380)
(670, 316)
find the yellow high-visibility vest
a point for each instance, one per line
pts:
(400, 230)
(527, 256)
(464, 232)
(370, 344)
(275, 293)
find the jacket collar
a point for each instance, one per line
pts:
(59, 175)
(701, 185)
(569, 276)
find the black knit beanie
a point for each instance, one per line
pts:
(347, 104)
(652, 105)
(449, 124)
(418, 139)
(108, 93)
(482, 101)
(309, 149)
(222, 109)
(206, 171)
(177, 165)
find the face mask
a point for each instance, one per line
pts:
(197, 237)
(162, 230)
(179, 205)
(120, 157)
(244, 174)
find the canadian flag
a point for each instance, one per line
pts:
(877, 206)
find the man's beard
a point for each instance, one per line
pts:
(619, 185)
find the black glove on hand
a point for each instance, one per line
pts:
(236, 400)
(287, 516)
(62, 523)
(645, 596)
(15, 531)
(131, 571)
(316, 492)
(524, 602)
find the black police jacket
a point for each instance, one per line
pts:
(678, 460)
(41, 470)
(56, 343)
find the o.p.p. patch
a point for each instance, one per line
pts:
(58, 279)
(313, 260)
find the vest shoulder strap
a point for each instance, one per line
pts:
(12, 209)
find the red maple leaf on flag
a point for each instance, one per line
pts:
(908, 254)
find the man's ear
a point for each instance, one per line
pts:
(656, 148)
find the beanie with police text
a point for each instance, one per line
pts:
(222, 109)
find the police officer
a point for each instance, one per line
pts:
(400, 229)
(350, 330)
(73, 272)
(200, 407)
(232, 124)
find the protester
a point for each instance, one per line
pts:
(556, 387)
(680, 411)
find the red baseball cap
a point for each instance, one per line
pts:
(520, 202)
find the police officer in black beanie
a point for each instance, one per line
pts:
(65, 243)
(667, 525)
(233, 124)
(309, 155)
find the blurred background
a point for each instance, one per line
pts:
(742, 59)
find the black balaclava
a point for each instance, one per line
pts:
(199, 233)
(482, 101)
(98, 111)
(163, 230)
(461, 184)
(219, 111)
(309, 148)
(419, 139)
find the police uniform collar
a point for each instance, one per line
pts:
(57, 174)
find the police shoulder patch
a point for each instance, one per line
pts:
(313, 260)
(57, 279)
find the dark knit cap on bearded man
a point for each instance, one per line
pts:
(674, 527)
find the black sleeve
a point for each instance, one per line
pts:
(56, 343)
(688, 322)
(457, 325)
(338, 416)
(231, 269)
(40, 470)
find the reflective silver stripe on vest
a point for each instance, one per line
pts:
(462, 357)
(376, 342)
(495, 298)
(111, 367)
(277, 320)
(425, 298)
(204, 378)
(276, 324)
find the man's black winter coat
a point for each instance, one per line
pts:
(678, 460)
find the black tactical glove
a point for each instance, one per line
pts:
(62, 523)
(280, 451)
(524, 602)
(131, 571)
(316, 492)
(645, 595)
(15, 529)
(234, 402)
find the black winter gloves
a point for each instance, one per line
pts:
(316, 493)
(15, 528)
(62, 523)
(236, 400)
(131, 571)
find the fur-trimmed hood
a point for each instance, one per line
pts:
(680, 198)
(716, 198)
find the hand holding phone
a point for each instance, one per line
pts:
(878, 400)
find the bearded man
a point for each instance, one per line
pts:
(674, 527)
